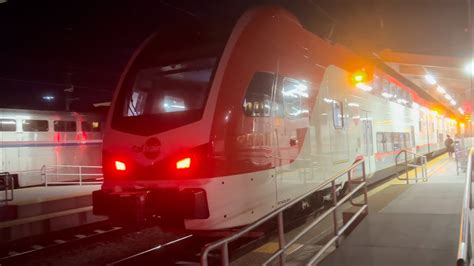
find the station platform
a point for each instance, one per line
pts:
(40, 210)
(407, 224)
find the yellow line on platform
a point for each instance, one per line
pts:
(442, 160)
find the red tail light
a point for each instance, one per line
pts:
(183, 163)
(120, 166)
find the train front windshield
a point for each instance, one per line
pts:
(168, 84)
(167, 89)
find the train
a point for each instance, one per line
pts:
(220, 128)
(33, 139)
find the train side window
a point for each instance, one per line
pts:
(407, 140)
(295, 97)
(381, 142)
(337, 114)
(257, 102)
(377, 85)
(35, 125)
(7, 125)
(410, 100)
(90, 126)
(64, 126)
(386, 93)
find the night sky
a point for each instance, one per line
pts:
(47, 46)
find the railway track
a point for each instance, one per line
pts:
(19, 250)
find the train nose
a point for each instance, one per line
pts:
(152, 148)
(189, 203)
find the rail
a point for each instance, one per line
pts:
(407, 163)
(464, 245)
(82, 172)
(223, 244)
(8, 186)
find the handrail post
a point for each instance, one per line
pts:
(6, 188)
(281, 236)
(406, 167)
(349, 184)
(225, 254)
(334, 213)
(45, 174)
(416, 174)
(80, 175)
(366, 198)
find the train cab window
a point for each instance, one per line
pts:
(90, 126)
(7, 125)
(337, 114)
(258, 98)
(295, 98)
(64, 126)
(35, 125)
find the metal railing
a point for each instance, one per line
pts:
(223, 244)
(8, 186)
(464, 245)
(82, 173)
(411, 162)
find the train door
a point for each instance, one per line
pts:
(291, 124)
(367, 141)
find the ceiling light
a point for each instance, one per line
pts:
(461, 110)
(48, 98)
(448, 97)
(453, 102)
(469, 68)
(430, 79)
(441, 89)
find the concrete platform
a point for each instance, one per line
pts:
(414, 224)
(40, 210)
(418, 227)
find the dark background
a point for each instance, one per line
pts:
(48, 46)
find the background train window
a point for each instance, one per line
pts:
(295, 98)
(90, 126)
(35, 125)
(337, 114)
(7, 125)
(258, 98)
(64, 126)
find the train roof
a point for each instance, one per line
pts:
(46, 112)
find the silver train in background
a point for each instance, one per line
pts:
(31, 140)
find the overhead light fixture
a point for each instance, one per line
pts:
(469, 68)
(461, 110)
(430, 79)
(48, 98)
(441, 89)
(448, 97)
(453, 102)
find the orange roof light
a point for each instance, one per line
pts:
(359, 77)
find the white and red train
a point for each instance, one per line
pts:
(222, 129)
(32, 139)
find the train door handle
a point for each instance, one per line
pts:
(293, 142)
